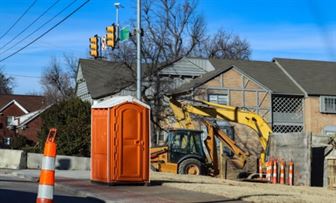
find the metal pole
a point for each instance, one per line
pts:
(138, 49)
(117, 6)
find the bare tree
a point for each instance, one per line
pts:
(71, 63)
(223, 45)
(56, 82)
(6, 83)
(173, 29)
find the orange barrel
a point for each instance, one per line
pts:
(269, 170)
(291, 173)
(47, 174)
(275, 172)
(282, 171)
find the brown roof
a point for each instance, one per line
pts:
(29, 102)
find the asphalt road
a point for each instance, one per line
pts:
(13, 188)
(18, 190)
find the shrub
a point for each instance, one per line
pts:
(72, 120)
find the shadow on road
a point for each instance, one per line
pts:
(14, 196)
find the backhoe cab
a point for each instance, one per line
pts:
(182, 153)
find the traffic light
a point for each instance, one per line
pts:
(94, 46)
(111, 38)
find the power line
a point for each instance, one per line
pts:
(39, 28)
(32, 23)
(46, 32)
(24, 76)
(24, 13)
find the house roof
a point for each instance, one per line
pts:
(198, 81)
(105, 78)
(315, 77)
(25, 119)
(267, 74)
(28, 102)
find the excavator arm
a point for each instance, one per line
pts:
(206, 109)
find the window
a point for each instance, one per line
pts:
(327, 104)
(219, 98)
(10, 120)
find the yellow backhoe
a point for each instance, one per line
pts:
(184, 151)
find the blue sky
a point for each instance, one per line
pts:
(274, 28)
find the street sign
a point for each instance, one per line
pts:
(124, 34)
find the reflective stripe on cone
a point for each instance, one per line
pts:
(45, 191)
(48, 163)
(291, 173)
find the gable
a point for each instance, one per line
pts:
(267, 74)
(188, 67)
(12, 104)
(233, 79)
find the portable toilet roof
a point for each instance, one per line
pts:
(114, 101)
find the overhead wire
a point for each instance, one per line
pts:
(24, 76)
(46, 32)
(32, 23)
(18, 20)
(39, 28)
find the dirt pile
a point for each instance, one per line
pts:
(255, 192)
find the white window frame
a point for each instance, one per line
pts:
(217, 99)
(328, 104)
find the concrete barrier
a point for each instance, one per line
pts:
(34, 161)
(12, 159)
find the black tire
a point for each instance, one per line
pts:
(194, 164)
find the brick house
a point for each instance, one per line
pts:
(294, 96)
(19, 115)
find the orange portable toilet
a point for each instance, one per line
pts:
(120, 135)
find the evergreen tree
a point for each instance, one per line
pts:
(72, 120)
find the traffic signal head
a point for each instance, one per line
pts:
(111, 36)
(94, 46)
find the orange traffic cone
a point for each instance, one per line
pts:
(275, 172)
(291, 173)
(282, 171)
(47, 175)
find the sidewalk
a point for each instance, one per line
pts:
(79, 183)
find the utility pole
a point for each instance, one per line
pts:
(117, 6)
(138, 49)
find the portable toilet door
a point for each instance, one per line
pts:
(132, 147)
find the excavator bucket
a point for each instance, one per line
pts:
(238, 162)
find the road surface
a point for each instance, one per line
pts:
(18, 190)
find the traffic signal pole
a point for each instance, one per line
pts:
(117, 6)
(138, 49)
